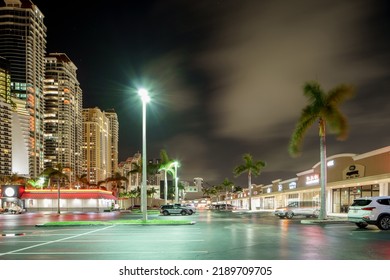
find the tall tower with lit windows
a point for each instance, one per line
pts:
(114, 134)
(63, 116)
(5, 119)
(23, 43)
(96, 145)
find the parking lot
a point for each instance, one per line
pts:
(216, 235)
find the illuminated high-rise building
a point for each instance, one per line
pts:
(5, 119)
(23, 43)
(96, 145)
(63, 116)
(114, 132)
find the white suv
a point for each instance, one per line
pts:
(298, 208)
(174, 209)
(190, 207)
(370, 211)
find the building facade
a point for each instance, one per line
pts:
(20, 138)
(130, 168)
(63, 116)
(96, 145)
(5, 138)
(5, 119)
(349, 176)
(114, 141)
(23, 43)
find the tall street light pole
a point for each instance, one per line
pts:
(143, 93)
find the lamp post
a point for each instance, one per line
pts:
(143, 93)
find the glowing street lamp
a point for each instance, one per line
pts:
(143, 93)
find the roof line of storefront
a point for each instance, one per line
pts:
(360, 180)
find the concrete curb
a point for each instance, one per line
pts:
(328, 221)
(12, 234)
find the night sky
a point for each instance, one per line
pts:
(226, 76)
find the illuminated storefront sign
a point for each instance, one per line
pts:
(312, 179)
(292, 185)
(9, 191)
(353, 171)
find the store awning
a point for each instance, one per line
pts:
(54, 195)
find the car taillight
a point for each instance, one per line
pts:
(368, 208)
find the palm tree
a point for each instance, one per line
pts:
(252, 167)
(323, 108)
(32, 183)
(13, 179)
(207, 191)
(134, 194)
(150, 193)
(83, 179)
(117, 178)
(136, 169)
(216, 191)
(166, 166)
(227, 184)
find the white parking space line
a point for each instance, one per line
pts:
(55, 241)
(111, 241)
(112, 253)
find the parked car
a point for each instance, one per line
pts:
(14, 209)
(190, 207)
(370, 211)
(174, 209)
(298, 208)
(226, 207)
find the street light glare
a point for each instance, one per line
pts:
(144, 95)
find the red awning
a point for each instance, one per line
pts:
(53, 195)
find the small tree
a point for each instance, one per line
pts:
(226, 184)
(251, 167)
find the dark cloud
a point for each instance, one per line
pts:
(227, 76)
(259, 57)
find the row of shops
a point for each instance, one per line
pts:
(349, 176)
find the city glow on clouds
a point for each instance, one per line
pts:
(227, 76)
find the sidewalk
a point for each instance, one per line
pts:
(333, 218)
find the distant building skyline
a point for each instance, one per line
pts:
(42, 105)
(23, 43)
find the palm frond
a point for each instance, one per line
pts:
(164, 157)
(337, 123)
(238, 170)
(249, 166)
(258, 166)
(299, 133)
(312, 90)
(339, 94)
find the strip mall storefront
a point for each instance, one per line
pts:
(71, 200)
(349, 176)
